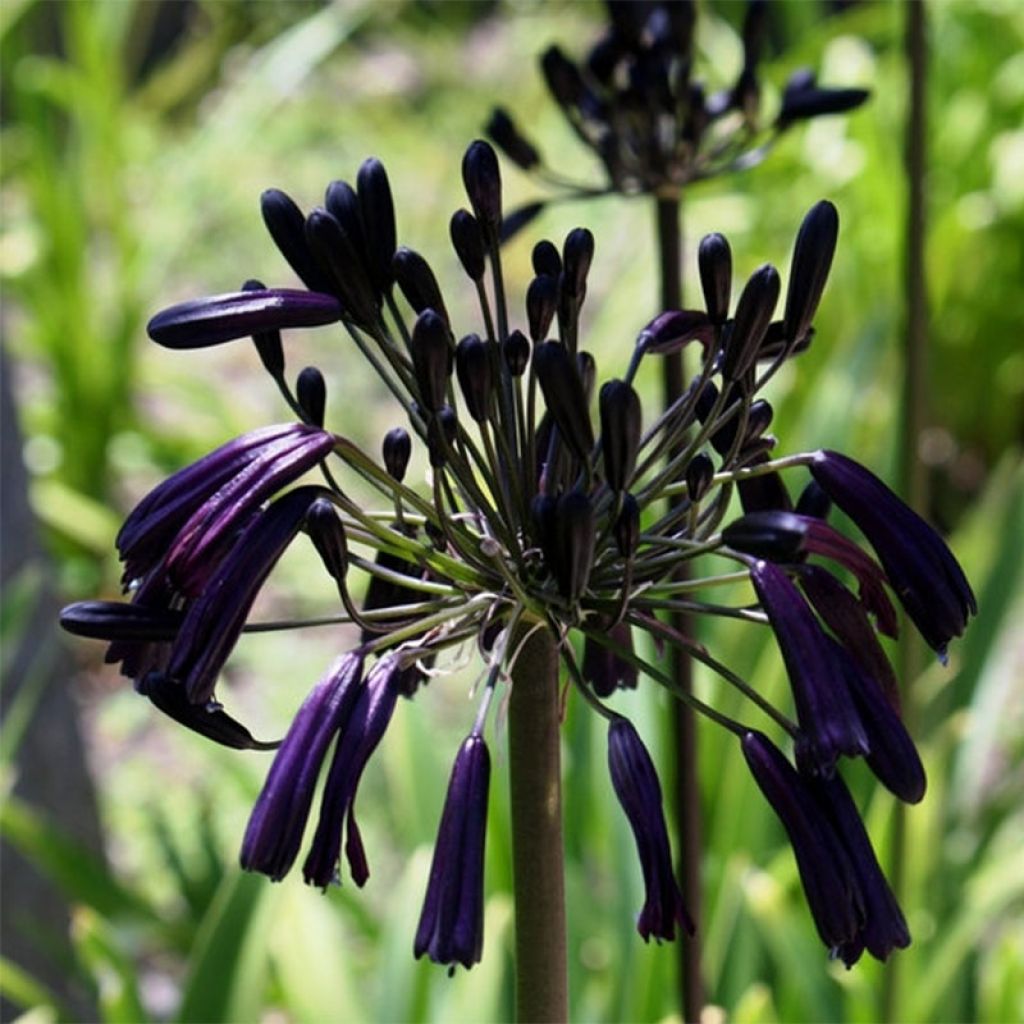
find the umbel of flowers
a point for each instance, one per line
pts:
(536, 515)
(637, 102)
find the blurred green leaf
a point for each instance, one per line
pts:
(110, 968)
(25, 992)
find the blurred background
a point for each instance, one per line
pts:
(137, 137)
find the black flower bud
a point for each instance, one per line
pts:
(311, 394)
(377, 209)
(268, 343)
(759, 418)
(541, 305)
(482, 179)
(670, 332)
(476, 375)
(397, 449)
(772, 535)
(808, 271)
(418, 283)
(627, 526)
(699, 474)
(621, 423)
(327, 533)
(441, 432)
(577, 255)
(431, 358)
(576, 531)
(586, 367)
(336, 252)
(546, 260)
(775, 345)
(764, 493)
(813, 501)
(803, 98)
(505, 134)
(542, 519)
(515, 350)
(287, 227)
(753, 315)
(563, 78)
(714, 259)
(564, 396)
(343, 205)
(468, 242)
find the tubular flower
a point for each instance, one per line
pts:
(542, 509)
(637, 104)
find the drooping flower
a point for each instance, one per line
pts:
(451, 928)
(636, 785)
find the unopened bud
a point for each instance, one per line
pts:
(468, 242)
(577, 255)
(326, 531)
(753, 315)
(441, 433)
(576, 532)
(311, 394)
(627, 527)
(397, 449)
(431, 358)
(699, 475)
(377, 209)
(418, 283)
(505, 134)
(287, 227)
(563, 78)
(621, 422)
(541, 304)
(546, 259)
(343, 205)
(808, 271)
(813, 501)
(336, 252)
(515, 350)
(714, 259)
(268, 343)
(564, 396)
(482, 179)
(773, 535)
(669, 332)
(476, 375)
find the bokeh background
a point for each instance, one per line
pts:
(137, 136)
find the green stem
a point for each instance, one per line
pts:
(541, 981)
(914, 413)
(687, 786)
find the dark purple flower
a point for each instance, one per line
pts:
(214, 621)
(451, 928)
(274, 834)
(362, 732)
(602, 668)
(144, 654)
(828, 877)
(924, 573)
(825, 709)
(218, 318)
(152, 525)
(637, 787)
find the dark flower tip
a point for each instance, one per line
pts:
(220, 318)
(451, 927)
(636, 785)
(924, 573)
(482, 179)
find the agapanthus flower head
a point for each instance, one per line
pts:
(639, 104)
(544, 508)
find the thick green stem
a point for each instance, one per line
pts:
(534, 719)
(687, 786)
(913, 481)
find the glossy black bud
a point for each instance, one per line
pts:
(775, 345)
(515, 350)
(542, 519)
(773, 535)
(576, 531)
(669, 332)
(268, 343)
(627, 527)
(541, 305)
(764, 493)
(120, 621)
(812, 259)
(753, 315)
(397, 449)
(417, 282)
(311, 394)
(468, 241)
(563, 78)
(287, 227)
(343, 205)
(577, 255)
(564, 396)
(714, 259)
(759, 418)
(803, 98)
(441, 432)
(813, 501)
(515, 221)
(476, 375)
(335, 251)
(621, 424)
(546, 259)
(377, 209)
(327, 533)
(505, 134)
(482, 179)
(431, 359)
(699, 475)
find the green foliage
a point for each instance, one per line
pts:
(133, 156)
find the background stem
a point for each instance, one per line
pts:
(534, 732)
(686, 788)
(912, 478)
